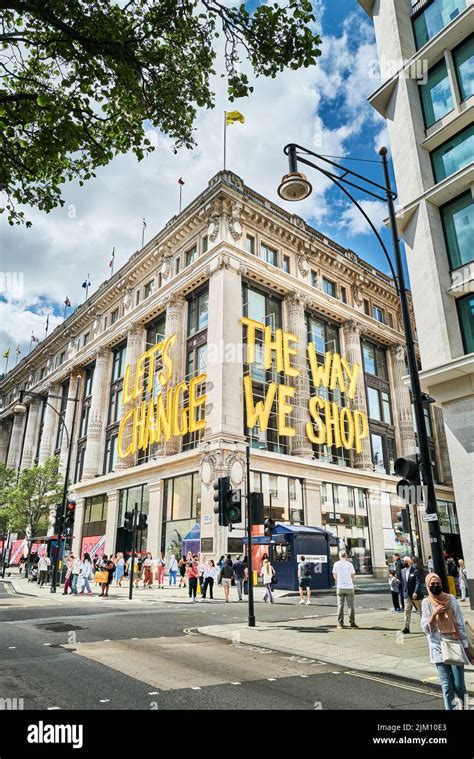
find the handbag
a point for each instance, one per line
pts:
(246, 587)
(102, 576)
(452, 652)
(274, 579)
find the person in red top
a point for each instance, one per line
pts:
(192, 572)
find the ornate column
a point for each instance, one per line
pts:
(112, 517)
(49, 425)
(296, 323)
(353, 354)
(402, 411)
(93, 458)
(5, 429)
(135, 347)
(175, 325)
(441, 445)
(224, 410)
(31, 434)
(68, 417)
(78, 525)
(16, 439)
(312, 501)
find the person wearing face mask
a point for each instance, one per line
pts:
(412, 587)
(442, 619)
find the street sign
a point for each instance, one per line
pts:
(429, 517)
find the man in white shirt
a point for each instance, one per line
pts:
(343, 572)
(43, 565)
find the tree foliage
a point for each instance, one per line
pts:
(30, 500)
(79, 81)
(7, 479)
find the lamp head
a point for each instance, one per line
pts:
(294, 186)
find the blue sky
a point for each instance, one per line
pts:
(323, 108)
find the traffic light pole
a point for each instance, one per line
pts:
(134, 540)
(249, 543)
(425, 456)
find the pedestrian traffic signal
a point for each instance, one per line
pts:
(233, 506)
(221, 488)
(269, 525)
(128, 524)
(256, 508)
(403, 524)
(408, 468)
(142, 521)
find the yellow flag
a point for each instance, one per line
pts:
(232, 116)
(6, 353)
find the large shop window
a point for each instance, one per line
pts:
(436, 95)
(181, 511)
(196, 357)
(463, 57)
(344, 513)
(128, 499)
(466, 321)
(62, 415)
(84, 422)
(95, 516)
(155, 333)
(382, 432)
(325, 337)
(433, 17)
(453, 154)
(265, 308)
(114, 408)
(283, 497)
(458, 225)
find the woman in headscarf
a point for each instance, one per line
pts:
(441, 618)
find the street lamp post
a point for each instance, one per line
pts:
(294, 186)
(21, 408)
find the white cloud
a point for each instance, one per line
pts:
(355, 222)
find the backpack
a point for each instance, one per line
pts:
(307, 569)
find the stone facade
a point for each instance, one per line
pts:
(200, 297)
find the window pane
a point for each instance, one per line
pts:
(377, 453)
(466, 320)
(387, 412)
(203, 310)
(437, 15)
(374, 403)
(436, 95)
(464, 63)
(182, 497)
(329, 288)
(191, 256)
(255, 306)
(458, 223)
(381, 362)
(317, 335)
(369, 358)
(454, 154)
(250, 244)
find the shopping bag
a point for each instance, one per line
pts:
(102, 577)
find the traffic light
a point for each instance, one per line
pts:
(70, 513)
(233, 506)
(142, 521)
(57, 518)
(269, 525)
(408, 468)
(221, 488)
(403, 525)
(128, 524)
(256, 508)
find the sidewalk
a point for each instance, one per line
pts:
(169, 594)
(377, 646)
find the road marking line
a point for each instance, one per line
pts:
(304, 675)
(104, 700)
(46, 644)
(395, 685)
(153, 693)
(271, 679)
(52, 708)
(236, 683)
(196, 687)
(10, 648)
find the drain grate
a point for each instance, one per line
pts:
(59, 627)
